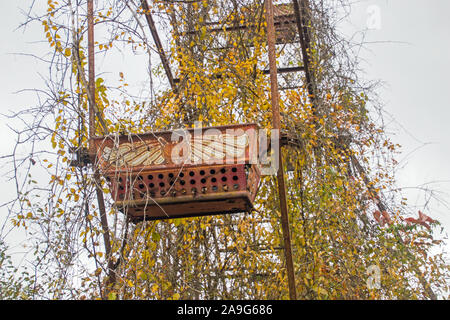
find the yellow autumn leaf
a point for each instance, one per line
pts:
(176, 296)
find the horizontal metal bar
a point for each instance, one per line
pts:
(287, 70)
(286, 21)
(183, 199)
(187, 206)
(266, 71)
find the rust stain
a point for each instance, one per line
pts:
(147, 183)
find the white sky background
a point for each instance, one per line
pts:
(409, 51)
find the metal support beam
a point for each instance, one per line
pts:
(265, 71)
(277, 126)
(91, 66)
(301, 19)
(154, 32)
(92, 108)
(241, 27)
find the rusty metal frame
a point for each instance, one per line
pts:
(154, 32)
(153, 137)
(161, 204)
(264, 71)
(301, 14)
(280, 19)
(304, 40)
(92, 130)
(147, 191)
(276, 123)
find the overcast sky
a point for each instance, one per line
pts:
(409, 50)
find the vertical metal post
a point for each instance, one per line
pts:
(277, 126)
(154, 32)
(302, 20)
(91, 64)
(97, 180)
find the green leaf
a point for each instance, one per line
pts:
(156, 236)
(112, 296)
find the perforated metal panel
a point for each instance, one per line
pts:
(202, 190)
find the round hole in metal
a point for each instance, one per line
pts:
(160, 176)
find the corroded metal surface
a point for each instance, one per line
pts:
(284, 22)
(159, 150)
(207, 171)
(276, 123)
(194, 191)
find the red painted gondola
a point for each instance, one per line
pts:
(174, 174)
